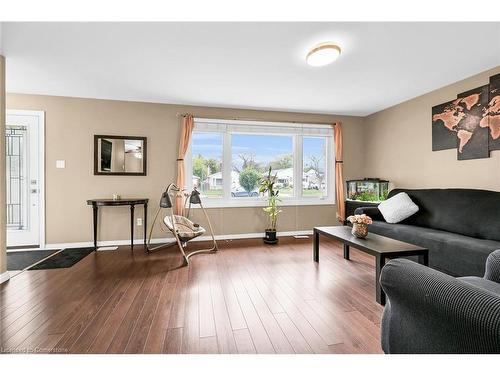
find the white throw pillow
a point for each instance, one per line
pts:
(397, 208)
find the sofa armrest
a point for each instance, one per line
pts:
(373, 212)
(493, 267)
(431, 312)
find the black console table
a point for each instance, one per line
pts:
(96, 203)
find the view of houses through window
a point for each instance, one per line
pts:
(249, 158)
(207, 163)
(314, 159)
(252, 155)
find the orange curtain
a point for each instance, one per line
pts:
(339, 177)
(186, 132)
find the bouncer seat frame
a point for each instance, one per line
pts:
(183, 229)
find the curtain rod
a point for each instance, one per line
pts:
(257, 119)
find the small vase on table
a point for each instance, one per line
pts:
(359, 225)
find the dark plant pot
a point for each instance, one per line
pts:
(270, 237)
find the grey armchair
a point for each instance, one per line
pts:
(430, 312)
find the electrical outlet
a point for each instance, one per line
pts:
(139, 221)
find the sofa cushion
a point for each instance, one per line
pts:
(470, 212)
(397, 208)
(482, 283)
(373, 212)
(452, 253)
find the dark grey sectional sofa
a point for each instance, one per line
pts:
(428, 311)
(460, 227)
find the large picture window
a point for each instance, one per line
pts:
(314, 167)
(253, 154)
(207, 164)
(227, 159)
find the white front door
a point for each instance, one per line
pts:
(23, 147)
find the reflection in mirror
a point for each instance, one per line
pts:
(120, 155)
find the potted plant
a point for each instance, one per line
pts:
(272, 210)
(360, 225)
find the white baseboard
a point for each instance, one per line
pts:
(4, 277)
(138, 241)
(107, 248)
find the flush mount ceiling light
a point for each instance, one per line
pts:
(323, 54)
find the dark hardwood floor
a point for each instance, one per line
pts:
(247, 298)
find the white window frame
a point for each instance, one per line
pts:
(225, 127)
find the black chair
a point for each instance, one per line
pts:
(430, 312)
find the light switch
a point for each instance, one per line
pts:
(60, 163)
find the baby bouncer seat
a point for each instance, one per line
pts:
(182, 228)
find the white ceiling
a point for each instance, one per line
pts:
(246, 65)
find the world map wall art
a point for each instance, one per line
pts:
(470, 123)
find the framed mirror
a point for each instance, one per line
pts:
(120, 155)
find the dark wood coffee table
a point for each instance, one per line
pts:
(379, 246)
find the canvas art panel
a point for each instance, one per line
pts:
(444, 122)
(472, 139)
(470, 123)
(491, 119)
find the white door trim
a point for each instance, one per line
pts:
(41, 166)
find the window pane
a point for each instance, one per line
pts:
(207, 164)
(251, 157)
(314, 161)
